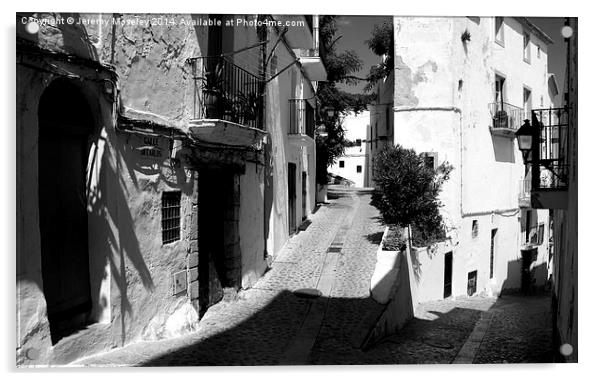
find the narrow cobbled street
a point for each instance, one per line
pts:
(314, 307)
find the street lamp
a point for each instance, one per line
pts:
(525, 137)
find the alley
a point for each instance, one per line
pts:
(314, 307)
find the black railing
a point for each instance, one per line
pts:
(550, 159)
(302, 117)
(506, 116)
(223, 90)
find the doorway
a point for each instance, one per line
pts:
(304, 195)
(447, 278)
(292, 198)
(216, 215)
(527, 257)
(65, 126)
(471, 287)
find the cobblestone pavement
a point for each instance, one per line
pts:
(263, 325)
(520, 331)
(258, 327)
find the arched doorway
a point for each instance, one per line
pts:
(65, 124)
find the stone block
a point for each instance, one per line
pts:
(193, 260)
(194, 246)
(193, 274)
(193, 290)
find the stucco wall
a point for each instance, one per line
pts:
(130, 269)
(287, 83)
(443, 87)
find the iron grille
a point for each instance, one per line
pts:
(302, 117)
(170, 216)
(505, 115)
(550, 160)
(224, 90)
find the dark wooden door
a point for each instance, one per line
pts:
(292, 198)
(447, 277)
(64, 127)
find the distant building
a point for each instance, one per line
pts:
(352, 165)
(463, 86)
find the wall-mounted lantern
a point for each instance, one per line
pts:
(525, 137)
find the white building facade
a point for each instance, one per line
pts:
(462, 88)
(353, 164)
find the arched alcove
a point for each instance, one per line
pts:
(65, 125)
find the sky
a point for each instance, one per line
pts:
(355, 30)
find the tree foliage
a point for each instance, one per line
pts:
(407, 191)
(341, 67)
(381, 43)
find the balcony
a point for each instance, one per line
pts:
(312, 64)
(302, 118)
(227, 103)
(524, 193)
(506, 119)
(223, 90)
(550, 159)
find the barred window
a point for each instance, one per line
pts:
(170, 216)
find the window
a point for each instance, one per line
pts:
(492, 252)
(499, 30)
(527, 102)
(540, 233)
(475, 228)
(527, 47)
(538, 51)
(430, 159)
(358, 142)
(499, 88)
(358, 169)
(341, 163)
(170, 216)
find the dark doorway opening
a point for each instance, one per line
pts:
(471, 288)
(304, 194)
(65, 126)
(526, 275)
(447, 278)
(217, 214)
(292, 198)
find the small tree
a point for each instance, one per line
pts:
(407, 190)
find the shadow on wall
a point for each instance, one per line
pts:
(503, 149)
(525, 278)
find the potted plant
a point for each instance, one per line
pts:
(500, 119)
(213, 94)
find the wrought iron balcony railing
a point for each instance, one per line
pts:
(302, 117)
(506, 116)
(223, 90)
(550, 158)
